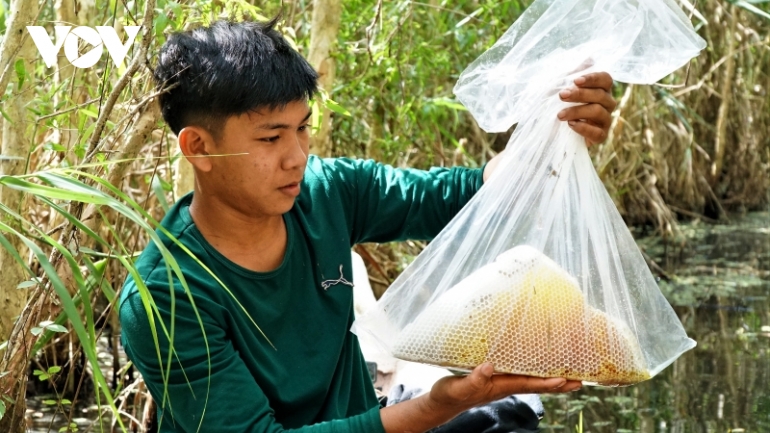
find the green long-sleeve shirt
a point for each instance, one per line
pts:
(315, 379)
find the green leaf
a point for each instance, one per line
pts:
(21, 71)
(751, 8)
(54, 147)
(65, 401)
(92, 252)
(449, 103)
(161, 22)
(56, 328)
(79, 194)
(5, 115)
(37, 331)
(49, 402)
(80, 149)
(89, 112)
(2, 409)
(316, 116)
(54, 369)
(159, 190)
(26, 284)
(337, 108)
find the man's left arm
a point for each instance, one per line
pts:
(389, 204)
(383, 204)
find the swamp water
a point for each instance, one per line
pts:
(719, 283)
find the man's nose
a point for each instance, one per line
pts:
(296, 154)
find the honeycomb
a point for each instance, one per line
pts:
(527, 316)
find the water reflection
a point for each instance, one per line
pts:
(719, 282)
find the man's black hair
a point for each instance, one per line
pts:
(229, 69)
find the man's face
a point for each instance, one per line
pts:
(265, 179)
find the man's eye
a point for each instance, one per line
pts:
(270, 139)
(302, 128)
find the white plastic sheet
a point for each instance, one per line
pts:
(546, 193)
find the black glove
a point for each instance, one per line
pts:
(507, 415)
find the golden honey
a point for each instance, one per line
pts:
(534, 321)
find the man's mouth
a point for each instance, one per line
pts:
(290, 189)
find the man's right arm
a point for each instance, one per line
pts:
(452, 395)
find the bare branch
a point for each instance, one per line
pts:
(136, 62)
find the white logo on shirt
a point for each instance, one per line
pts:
(341, 280)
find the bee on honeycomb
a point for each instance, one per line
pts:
(527, 316)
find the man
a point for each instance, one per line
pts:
(251, 299)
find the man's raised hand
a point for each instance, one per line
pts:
(592, 119)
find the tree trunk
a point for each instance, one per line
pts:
(23, 13)
(376, 125)
(323, 41)
(15, 146)
(17, 45)
(65, 134)
(138, 137)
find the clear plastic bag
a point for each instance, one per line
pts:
(538, 272)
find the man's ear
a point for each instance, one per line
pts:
(196, 143)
